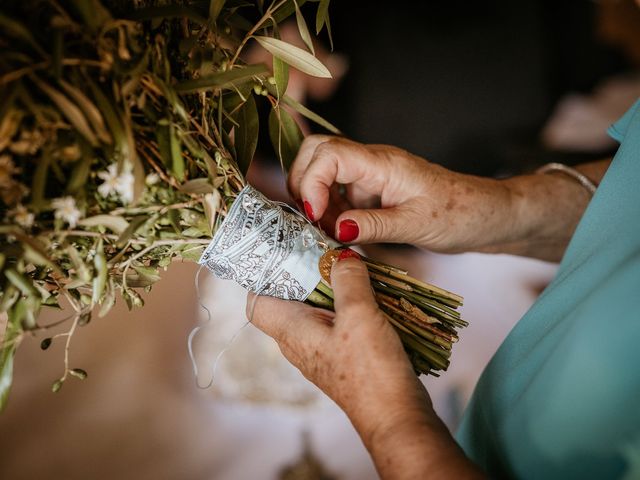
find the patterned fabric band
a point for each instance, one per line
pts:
(265, 249)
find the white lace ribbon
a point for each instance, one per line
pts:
(265, 249)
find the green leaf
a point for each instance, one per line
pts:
(115, 223)
(81, 171)
(39, 182)
(286, 10)
(177, 160)
(314, 117)
(215, 7)
(322, 15)
(57, 385)
(21, 282)
(109, 300)
(69, 110)
(6, 373)
(222, 79)
(100, 279)
(197, 186)
(294, 56)
(303, 29)
(246, 134)
(281, 76)
(7, 352)
(285, 135)
(148, 274)
(134, 225)
(170, 148)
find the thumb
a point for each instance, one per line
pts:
(391, 225)
(351, 284)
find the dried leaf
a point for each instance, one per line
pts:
(294, 56)
(69, 110)
(90, 110)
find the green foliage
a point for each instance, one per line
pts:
(125, 132)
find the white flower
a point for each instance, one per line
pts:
(66, 210)
(118, 184)
(22, 216)
(152, 179)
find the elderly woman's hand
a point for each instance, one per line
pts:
(391, 195)
(353, 355)
(357, 359)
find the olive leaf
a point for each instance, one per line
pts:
(215, 7)
(115, 223)
(226, 79)
(286, 136)
(281, 76)
(246, 134)
(303, 29)
(294, 56)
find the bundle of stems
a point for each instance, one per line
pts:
(423, 315)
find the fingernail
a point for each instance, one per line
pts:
(348, 231)
(309, 211)
(348, 253)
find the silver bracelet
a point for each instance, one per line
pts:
(572, 172)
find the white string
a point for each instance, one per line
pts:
(261, 284)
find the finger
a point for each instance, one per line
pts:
(352, 289)
(301, 162)
(285, 320)
(393, 225)
(342, 161)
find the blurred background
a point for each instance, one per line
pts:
(493, 88)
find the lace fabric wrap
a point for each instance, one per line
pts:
(266, 249)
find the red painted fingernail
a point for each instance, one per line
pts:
(348, 253)
(309, 211)
(348, 231)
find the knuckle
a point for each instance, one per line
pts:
(377, 226)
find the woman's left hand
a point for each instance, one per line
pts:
(357, 359)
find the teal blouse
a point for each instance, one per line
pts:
(561, 396)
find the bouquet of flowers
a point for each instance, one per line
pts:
(126, 129)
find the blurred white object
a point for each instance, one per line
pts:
(251, 369)
(579, 122)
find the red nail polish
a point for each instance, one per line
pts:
(348, 231)
(309, 211)
(348, 253)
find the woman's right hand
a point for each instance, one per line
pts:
(393, 196)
